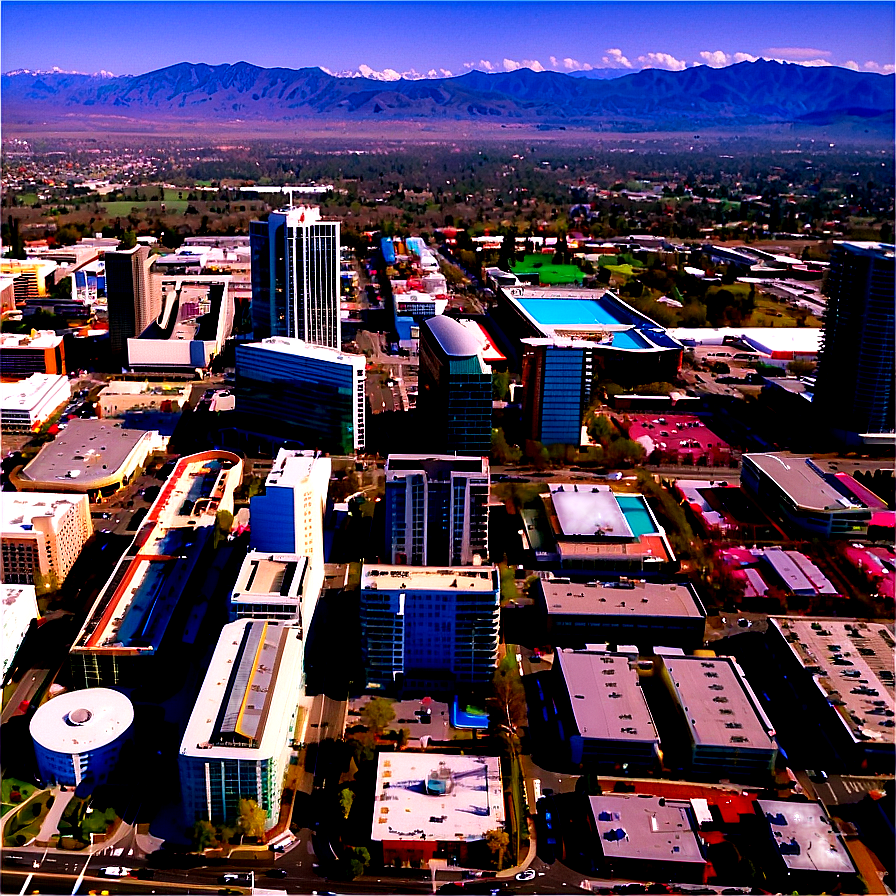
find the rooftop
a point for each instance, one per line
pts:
(84, 720)
(42, 339)
(18, 509)
(433, 796)
(720, 708)
(481, 579)
(293, 468)
(271, 575)
(248, 691)
(805, 837)
(614, 599)
(645, 828)
(868, 247)
(87, 450)
(607, 702)
(28, 393)
(454, 338)
(806, 484)
(436, 464)
(287, 345)
(845, 656)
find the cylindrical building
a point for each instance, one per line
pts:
(79, 735)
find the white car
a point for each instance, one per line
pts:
(115, 871)
(528, 874)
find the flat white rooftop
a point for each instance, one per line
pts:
(804, 482)
(844, 656)
(720, 708)
(28, 393)
(271, 576)
(294, 468)
(434, 796)
(805, 838)
(607, 702)
(480, 579)
(287, 345)
(645, 828)
(42, 339)
(607, 599)
(589, 512)
(18, 509)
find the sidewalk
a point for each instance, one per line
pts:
(528, 859)
(51, 822)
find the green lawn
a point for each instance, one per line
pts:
(26, 823)
(123, 207)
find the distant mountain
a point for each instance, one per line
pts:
(748, 93)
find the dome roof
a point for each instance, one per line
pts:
(454, 338)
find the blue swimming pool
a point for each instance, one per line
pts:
(570, 311)
(636, 514)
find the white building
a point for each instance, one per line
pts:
(26, 404)
(19, 610)
(237, 742)
(79, 735)
(278, 587)
(42, 533)
(288, 517)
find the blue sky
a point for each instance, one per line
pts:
(387, 40)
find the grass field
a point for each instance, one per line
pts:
(767, 314)
(122, 208)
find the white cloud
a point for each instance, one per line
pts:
(719, 59)
(663, 60)
(615, 59)
(570, 64)
(877, 67)
(483, 65)
(796, 53)
(511, 65)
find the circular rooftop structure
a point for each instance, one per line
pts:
(454, 338)
(82, 721)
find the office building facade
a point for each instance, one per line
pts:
(436, 509)
(429, 628)
(455, 389)
(19, 611)
(315, 395)
(133, 294)
(558, 375)
(854, 389)
(296, 277)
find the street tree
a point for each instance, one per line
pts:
(377, 713)
(497, 841)
(204, 835)
(251, 819)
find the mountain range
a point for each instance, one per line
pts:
(749, 93)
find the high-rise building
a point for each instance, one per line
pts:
(314, 394)
(296, 277)
(288, 518)
(854, 391)
(133, 294)
(455, 389)
(429, 628)
(558, 374)
(436, 509)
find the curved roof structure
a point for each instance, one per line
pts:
(80, 721)
(454, 338)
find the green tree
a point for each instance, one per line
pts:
(355, 861)
(500, 384)
(502, 452)
(203, 835)
(251, 820)
(509, 591)
(801, 368)
(346, 798)
(497, 841)
(377, 713)
(128, 241)
(508, 695)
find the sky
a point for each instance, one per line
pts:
(387, 40)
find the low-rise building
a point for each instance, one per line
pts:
(123, 396)
(603, 711)
(42, 536)
(79, 736)
(810, 501)
(623, 612)
(726, 728)
(429, 628)
(275, 587)
(23, 354)
(93, 457)
(26, 404)
(806, 849)
(428, 803)
(591, 528)
(19, 610)
(129, 624)
(839, 672)
(645, 838)
(238, 739)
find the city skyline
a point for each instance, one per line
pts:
(386, 41)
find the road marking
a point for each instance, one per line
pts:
(25, 885)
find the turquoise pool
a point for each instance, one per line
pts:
(570, 311)
(636, 514)
(629, 339)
